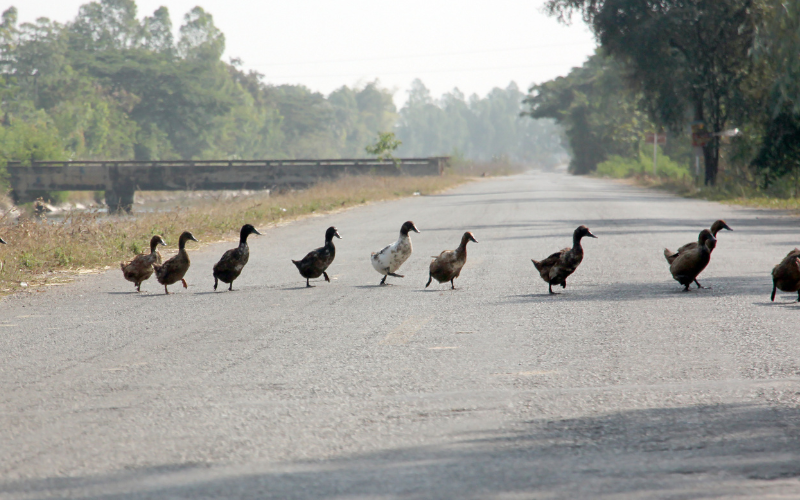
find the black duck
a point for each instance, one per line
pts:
(447, 266)
(232, 262)
(786, 275)
(314, 264)
(141, 267)
(686, 266)
(174, 269)
(556, 268)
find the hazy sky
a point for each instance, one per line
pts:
(324, 44)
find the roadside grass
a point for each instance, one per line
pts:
(677, 179)
(52, 252)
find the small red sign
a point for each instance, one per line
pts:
(661, 138)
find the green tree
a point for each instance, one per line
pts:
(688, 57)
(384, 146)
(600, 117)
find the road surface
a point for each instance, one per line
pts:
(623, 386)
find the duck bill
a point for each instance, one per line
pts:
(195, 239)
(337, 235)
(414, 228)
(255, 231)
(2, 241)
(589, 233)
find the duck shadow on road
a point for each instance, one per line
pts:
(619, 292)
(698, 451)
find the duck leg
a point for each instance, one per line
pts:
(383, 281)
(326, 276)
(230, 288)
(798, 296)
(698, 284)
(774, 289)
(430, 278)
(165, 290)
(184, 283)
(309, 285)
(138, 287)
(452, 285)
(215, 283)
(396, 275)
(550, 289)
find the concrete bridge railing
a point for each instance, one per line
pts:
(121, 179)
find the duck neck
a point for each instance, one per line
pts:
(243, 239)
(329, 242)
(153, 246)
(576, 242)
(462, 248)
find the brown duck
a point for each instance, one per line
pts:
(716, 227)
(686, 266)
(174, 269)
(556, 268)
(786, 275)
(141, 267)
(232, 262)
(316, 262)
(447, 266)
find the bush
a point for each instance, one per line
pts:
(619, 167)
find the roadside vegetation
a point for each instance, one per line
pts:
(47, 252)
(726, 71)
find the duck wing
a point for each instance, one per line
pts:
(172, 270)
(315, 262)
(139, 268)
(687, 247)
(544, 266)
(568, 261)
(688, 265)
(231, 261)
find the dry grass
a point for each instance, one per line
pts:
(729, 193)
(42, 252)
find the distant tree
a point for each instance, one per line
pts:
(688, 57)
(599, 115)
(157, 32)
(384, 146)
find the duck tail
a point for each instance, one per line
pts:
(296, 263)
(670, 255)
(774, 287)
(122, 265)
(537, 265)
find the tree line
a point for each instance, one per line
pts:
(111, 85)
(716, 64)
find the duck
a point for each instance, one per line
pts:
(314, 264)
(141, 267)
(232, 262)
(391, 257)
(716, 227)
(556, 268)
(786, 275)
(447, 266)
(686, 266)
(174, 269)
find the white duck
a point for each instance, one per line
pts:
(389, 260)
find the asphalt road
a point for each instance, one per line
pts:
(623, 386)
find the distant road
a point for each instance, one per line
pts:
(623, 386)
